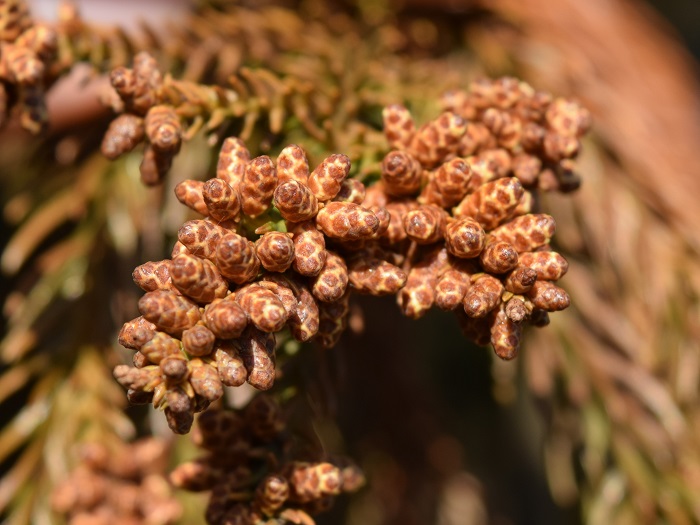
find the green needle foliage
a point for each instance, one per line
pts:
(412, 176)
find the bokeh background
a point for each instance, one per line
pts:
(599, 420)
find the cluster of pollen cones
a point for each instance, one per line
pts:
(281, 247)
(27, 50)
(241, 445)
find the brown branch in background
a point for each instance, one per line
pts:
(455, 220)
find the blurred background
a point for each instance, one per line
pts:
(684, 15)
(598, 421)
